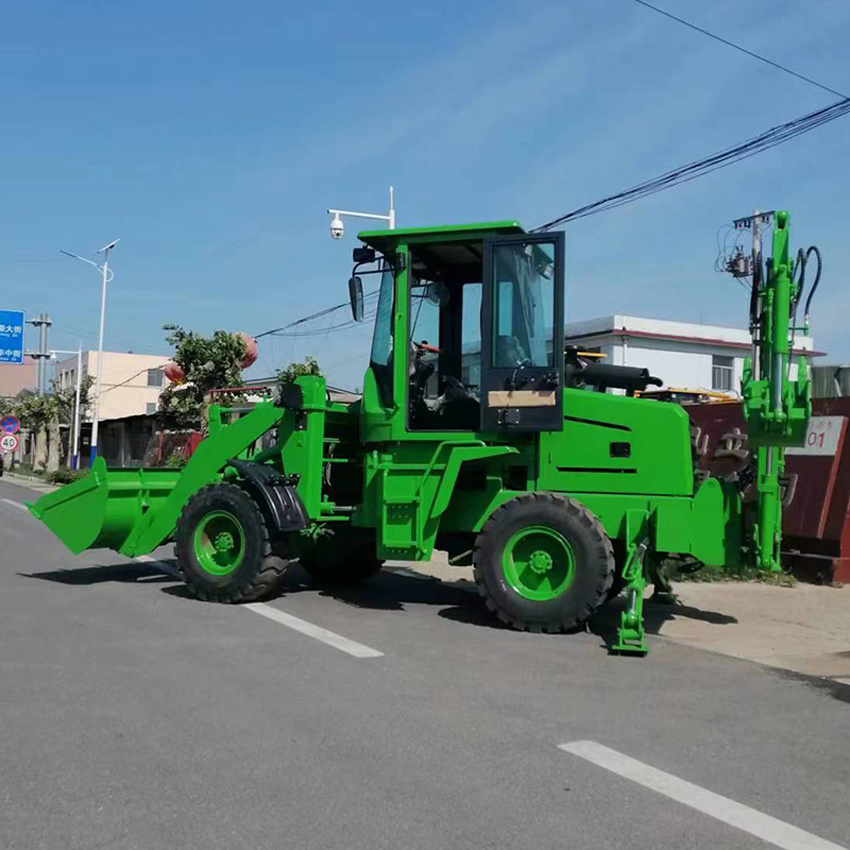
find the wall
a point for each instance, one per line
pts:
(124, 385)
(681, 357)
(14, 377)
(687, 366)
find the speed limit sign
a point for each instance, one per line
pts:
(8, 443)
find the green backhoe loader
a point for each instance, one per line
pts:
(475, 434)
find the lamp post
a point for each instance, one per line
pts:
(75, 451)
(106, 277)
(338, 227)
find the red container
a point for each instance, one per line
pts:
(816, 525)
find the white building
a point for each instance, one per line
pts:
(682, 355)
(130, 385)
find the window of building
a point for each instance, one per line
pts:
(156, 378)
(722, 372)
(151, 408)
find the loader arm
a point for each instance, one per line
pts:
(205, 465)
(132, 511)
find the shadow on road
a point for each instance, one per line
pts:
(130, 572)
(393, 591)
(605, 622)
(387, 591)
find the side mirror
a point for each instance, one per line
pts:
(355, 294)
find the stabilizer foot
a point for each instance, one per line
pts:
(631, 639)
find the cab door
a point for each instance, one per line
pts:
(522, 333)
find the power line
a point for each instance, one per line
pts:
(741, 49)
(310, 318)
(699, 168)
(133, 377)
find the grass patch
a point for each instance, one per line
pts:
(27, 470)
(63, 475)
(689, 571)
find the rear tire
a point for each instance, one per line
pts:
(543, 563)
(223, 548)
(337, 559)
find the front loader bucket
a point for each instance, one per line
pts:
(100, 510)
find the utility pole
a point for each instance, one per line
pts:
(106, 276)
(74, 442)
(756, 269)
(75, 456)
(42, 321)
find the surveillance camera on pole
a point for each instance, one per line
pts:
(338, 226)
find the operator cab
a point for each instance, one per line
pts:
(468, 326)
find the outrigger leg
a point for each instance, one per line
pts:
(630, 636)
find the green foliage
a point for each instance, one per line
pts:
(679, 568)
(63, 401)
(63, 475)
(309, 366)
(176, 460)
(208, 363)
(36, 412)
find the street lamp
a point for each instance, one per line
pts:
(75, 452)
(338, 226)
(106, 277)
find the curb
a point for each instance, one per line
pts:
(30, 482)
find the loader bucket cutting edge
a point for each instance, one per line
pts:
(100, 510)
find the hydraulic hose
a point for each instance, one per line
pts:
(798, 277)
(816, 251)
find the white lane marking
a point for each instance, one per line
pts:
(15, 504)
(742, 817)
(358, 650)
(166, 568)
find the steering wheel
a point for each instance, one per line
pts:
(452, 383)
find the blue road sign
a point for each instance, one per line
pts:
(10, 424)
(11, 336)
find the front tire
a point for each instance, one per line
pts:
(223, 547)
(543, 563)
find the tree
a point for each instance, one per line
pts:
(309, 366)
(61, 405)
(44, 414)
(208, 363)
(35, 413)
(64, 400)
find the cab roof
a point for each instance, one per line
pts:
(382, 240)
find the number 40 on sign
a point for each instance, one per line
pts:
(8, 443)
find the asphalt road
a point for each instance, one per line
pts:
(135, 717)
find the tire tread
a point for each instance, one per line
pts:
(602, 545)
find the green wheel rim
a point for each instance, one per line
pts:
(538, 563)
(219, 543)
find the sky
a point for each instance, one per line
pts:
(212, 137)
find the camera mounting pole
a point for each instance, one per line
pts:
(338, 226)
